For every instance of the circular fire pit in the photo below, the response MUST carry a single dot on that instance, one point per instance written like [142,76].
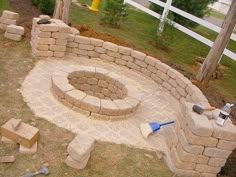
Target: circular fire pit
[95,90]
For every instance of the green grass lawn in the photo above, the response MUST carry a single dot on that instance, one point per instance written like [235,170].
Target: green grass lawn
[139,30]
[3,5]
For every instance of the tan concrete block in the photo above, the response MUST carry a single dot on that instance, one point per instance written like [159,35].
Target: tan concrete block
[193,149]
[7,140]
[217,162]
[162,75]
[102,83]
[93,54]
[198,124]
[207,169]
[14,37]
[85,87]
[92,81]
[215,152]
[58,48]
[208,175]
[82,40]
[49,27]
[91,104]
[152,68]
[180,164]
[166,85]
[162,67]
[99,116]
[151,61]
[46,17]
[175,93]
[75,97]
[112,88]
[80,52]
[45,41]
[127,58]
[121,62]
[226,145]
[189,173]
[96,42]
[182,81]
[42,34]
[156,79]
[100,50]
[61,42]
[75,164]
[140,63]
[172,73]
[71,38]
[106,92]
[10,15]
[7,159]
[107,57]
[138,55]
[14,29]
[192,89]
[3,26]
[124,50]
[61,88]
[81,147]
[181,91]
[58,54]
[172,82]
[123,106]
[198,140]
[41,47]
[226,132]
[58,35]
[146,72]
[108,107]
[133,102]
[26,150]
[38,53]
[110,46]
[113,54]
[133,66]
[7,21]
[86,47]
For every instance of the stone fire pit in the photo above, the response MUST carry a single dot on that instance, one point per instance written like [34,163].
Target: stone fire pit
[95,90]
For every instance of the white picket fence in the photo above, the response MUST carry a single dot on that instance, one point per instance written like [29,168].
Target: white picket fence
[167,6]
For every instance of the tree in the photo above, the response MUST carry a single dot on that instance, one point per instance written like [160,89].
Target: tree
[61,10]
[210,63]
[194,7]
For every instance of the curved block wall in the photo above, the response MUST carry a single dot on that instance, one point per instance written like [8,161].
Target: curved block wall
[196,145]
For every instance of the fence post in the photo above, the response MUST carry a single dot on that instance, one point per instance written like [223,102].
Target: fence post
[164,16]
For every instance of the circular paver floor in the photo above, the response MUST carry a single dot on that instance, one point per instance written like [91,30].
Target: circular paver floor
[156,105]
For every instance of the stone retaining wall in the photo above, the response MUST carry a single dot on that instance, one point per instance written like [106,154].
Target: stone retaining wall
[197,146]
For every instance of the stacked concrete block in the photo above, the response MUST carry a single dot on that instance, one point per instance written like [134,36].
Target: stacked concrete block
[96,92]
[8,18]
[49,40]
[198,146]
[79,151]
[14,32]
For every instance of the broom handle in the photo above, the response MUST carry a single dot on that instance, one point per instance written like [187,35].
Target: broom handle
[166,123]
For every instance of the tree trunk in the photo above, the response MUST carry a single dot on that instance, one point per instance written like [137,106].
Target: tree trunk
[61,10]
[209,66]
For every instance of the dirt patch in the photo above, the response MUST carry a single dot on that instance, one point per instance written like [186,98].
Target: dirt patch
[26,11]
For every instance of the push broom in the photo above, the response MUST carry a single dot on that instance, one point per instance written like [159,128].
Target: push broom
[149,128]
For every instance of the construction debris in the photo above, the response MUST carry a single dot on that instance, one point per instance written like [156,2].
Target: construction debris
[25,134]
[7,159]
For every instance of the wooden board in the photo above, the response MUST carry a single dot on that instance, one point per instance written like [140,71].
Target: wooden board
[25,134]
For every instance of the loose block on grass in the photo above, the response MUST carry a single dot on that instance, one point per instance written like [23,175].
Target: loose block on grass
[25,135]
[7,159]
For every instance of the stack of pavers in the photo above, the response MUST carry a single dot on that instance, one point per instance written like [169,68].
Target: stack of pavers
[79,151]
[49,40]
[8,18]
[27,136]
[14,32]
